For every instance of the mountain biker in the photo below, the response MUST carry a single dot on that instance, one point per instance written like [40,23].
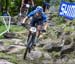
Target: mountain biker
[39,18]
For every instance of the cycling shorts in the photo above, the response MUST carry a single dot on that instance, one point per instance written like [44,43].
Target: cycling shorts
[35,23]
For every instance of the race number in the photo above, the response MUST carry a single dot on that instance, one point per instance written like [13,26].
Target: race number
[33,29]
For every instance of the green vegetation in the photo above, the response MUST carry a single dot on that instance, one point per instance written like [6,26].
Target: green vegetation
[13,6]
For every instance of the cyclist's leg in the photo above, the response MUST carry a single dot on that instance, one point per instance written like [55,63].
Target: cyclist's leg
[38,30]
[39,27]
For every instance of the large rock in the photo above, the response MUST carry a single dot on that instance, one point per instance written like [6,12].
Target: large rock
[34,55]
[2,47]
[67,48]
[47,56]
[53,46]
[13,41]
[5,62]
[47,62]
[48,46]
[71,61]
[43,42]
[14,49]
[62,60]
[9,35]
[17,41]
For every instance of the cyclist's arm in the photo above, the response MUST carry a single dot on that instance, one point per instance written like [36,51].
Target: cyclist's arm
[45,21]
[45,25]
[28,16]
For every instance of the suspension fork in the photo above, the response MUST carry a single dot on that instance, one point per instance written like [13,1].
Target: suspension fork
[28,35]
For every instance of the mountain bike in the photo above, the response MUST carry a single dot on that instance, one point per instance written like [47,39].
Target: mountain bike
[30,41]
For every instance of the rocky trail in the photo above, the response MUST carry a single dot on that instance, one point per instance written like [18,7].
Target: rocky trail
[57,46]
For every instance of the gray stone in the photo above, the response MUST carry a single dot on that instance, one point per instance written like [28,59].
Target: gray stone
[2,47]
[53,46]
[71,61]
[1,43]
[47,62]
[43,42]
[17,41]
[5,62]
[47,56]
[9,35]
[59,61]
[48,46]
[34,55]
[13,41]
[14,49]
[67,48]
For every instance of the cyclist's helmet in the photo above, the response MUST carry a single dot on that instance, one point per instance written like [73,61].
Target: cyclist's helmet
[39,9]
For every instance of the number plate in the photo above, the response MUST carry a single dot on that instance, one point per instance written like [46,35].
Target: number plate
[33,29]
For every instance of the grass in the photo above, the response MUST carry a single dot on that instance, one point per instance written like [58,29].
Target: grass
[12,57]
[51,33]
[13,28]
[16,28]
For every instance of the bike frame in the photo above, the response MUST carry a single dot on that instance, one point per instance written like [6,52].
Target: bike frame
[30,40]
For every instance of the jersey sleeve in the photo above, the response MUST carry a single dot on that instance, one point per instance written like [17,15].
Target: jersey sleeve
[44,17]
[31,13]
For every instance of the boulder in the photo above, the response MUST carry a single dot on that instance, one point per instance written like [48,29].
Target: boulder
[14,49]
[34,55]
[53,46]
[2,47]
[9,35]
[47,56]
[2,61]
[66,49]
[71,61]
[43,42]
[47,62]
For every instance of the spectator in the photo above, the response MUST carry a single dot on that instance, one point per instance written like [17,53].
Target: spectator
[23,5]
[46,5]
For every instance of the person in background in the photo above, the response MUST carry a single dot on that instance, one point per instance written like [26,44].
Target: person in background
[24,3]
[46,5]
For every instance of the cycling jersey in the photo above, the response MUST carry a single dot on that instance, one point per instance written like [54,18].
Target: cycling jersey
[44,16]
[37,20]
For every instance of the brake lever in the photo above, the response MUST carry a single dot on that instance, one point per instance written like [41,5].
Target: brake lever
[22,24]
[25,25]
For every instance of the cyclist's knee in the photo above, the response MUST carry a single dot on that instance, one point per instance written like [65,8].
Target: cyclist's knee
[39,27]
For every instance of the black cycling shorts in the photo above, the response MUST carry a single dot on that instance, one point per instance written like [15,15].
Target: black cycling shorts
[35,23]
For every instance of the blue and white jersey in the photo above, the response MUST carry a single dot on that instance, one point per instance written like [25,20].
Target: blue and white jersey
[44,16]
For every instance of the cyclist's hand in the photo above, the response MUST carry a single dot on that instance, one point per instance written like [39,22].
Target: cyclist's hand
[24,20]
[23,24]
[43,30]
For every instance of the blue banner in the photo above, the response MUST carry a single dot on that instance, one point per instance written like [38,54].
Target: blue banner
[67,10]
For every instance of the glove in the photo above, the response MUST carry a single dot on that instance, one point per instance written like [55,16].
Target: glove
[43,30]
[23,24]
